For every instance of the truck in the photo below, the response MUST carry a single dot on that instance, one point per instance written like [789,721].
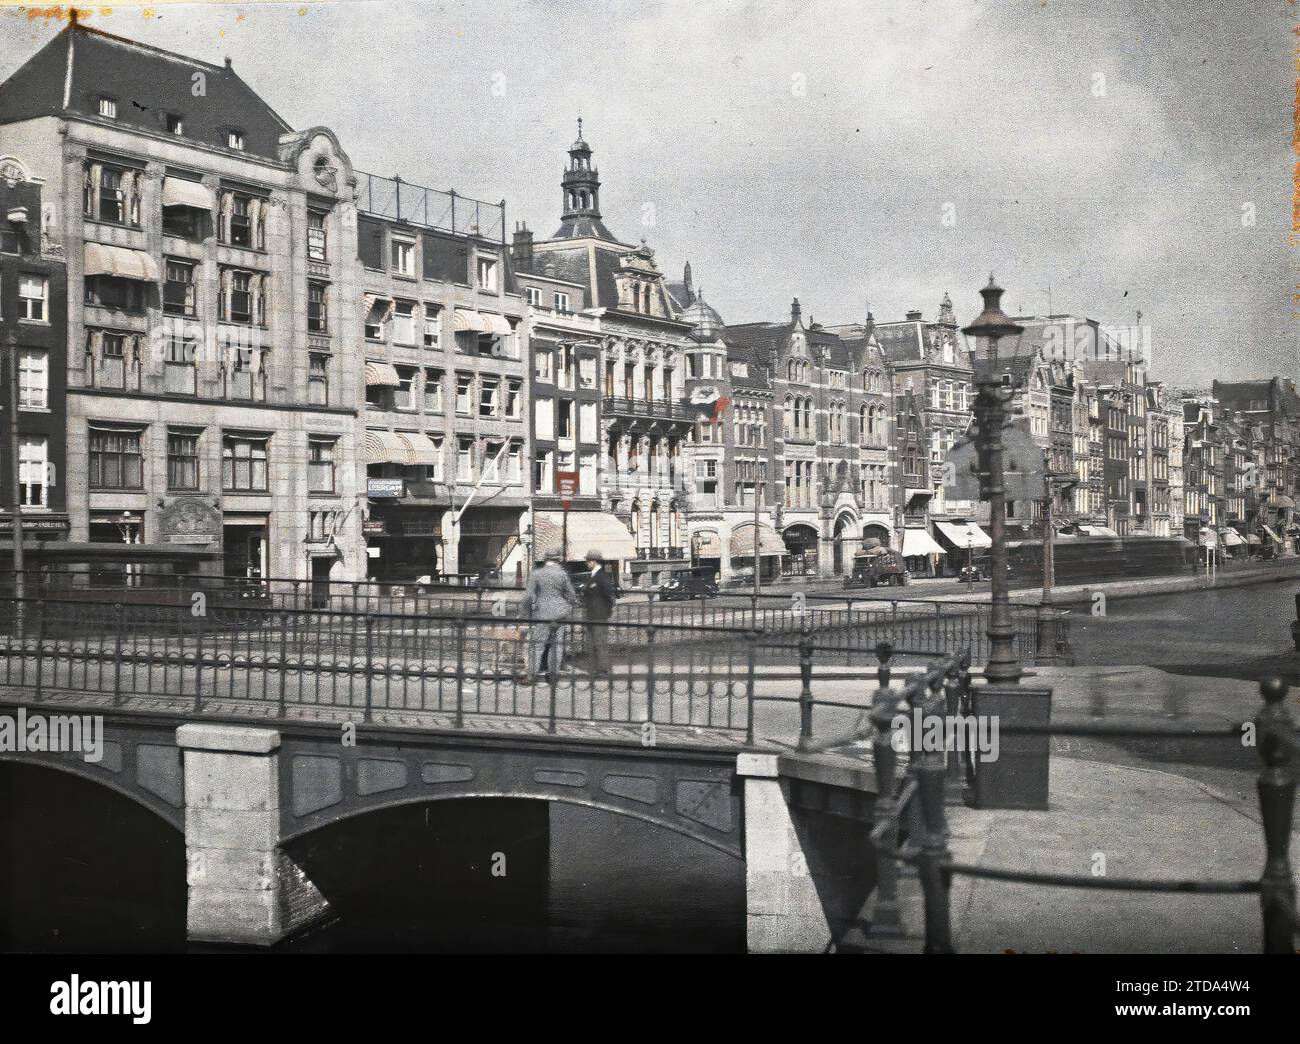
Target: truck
[874,565]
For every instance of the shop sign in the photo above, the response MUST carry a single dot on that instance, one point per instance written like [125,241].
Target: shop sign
[384,488]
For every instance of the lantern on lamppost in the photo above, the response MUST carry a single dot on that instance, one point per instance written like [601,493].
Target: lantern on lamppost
[995,387]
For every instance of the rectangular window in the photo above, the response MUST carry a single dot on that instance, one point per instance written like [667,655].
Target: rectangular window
[317,314]
[534,297]
[489,397]
[566,419]
[587,422]
[182,460]
[316,236]
[33,471]
[241,221]
[587,371]
[108,292]
[320,465]
[375,319]
[544,418]
[464,459]
[433,472]
[318,380]
[542,365]
[493,450]
[403,257]
[433,391]
[178,289]
[108,108]
[514,397]
[244,463]
[33,294]
[487,273]
[404,322]
[543,472]
[587,474]
[235,139]
[464,385]
[240,300]
[33,379]
[115,459]
[561,302]
[430,326]
[403,394]
[174,123]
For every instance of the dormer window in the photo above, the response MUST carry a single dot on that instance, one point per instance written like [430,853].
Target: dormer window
[235,139]
[174,123]
[487,273]
[108,108]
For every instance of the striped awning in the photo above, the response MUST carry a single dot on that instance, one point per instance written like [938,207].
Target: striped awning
[1231,537]
[769,542]
[103,259]
[1272,535]
[420,448]
[465,321]
[964,534]
[177,192]
[587,530]
[919,542]
[496,324]
[382,375]
[387,447]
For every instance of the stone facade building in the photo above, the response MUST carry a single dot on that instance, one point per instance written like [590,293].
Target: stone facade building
[193,220]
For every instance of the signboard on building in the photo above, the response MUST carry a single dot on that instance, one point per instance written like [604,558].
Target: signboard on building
[372,527]
[567,483]
[378,488]
[189,520]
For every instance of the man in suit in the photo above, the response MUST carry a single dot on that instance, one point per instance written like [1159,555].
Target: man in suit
[598,598]
[550,599]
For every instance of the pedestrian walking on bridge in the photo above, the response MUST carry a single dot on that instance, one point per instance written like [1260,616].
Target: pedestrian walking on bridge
[598,599]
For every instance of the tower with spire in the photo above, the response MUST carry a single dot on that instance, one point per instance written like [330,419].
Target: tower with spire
[580,214]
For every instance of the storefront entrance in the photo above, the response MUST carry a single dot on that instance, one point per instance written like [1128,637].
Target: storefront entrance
[244,550]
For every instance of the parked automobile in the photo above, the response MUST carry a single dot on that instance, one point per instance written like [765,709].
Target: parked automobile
[971,574]
[697,582]
[877,565]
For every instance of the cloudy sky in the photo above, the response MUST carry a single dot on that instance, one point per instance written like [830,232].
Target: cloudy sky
[1128,155]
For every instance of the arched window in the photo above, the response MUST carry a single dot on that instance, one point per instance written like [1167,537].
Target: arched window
[789,415]
[646,298]
[674,525]
[636,522]
[865,418]
[654,524]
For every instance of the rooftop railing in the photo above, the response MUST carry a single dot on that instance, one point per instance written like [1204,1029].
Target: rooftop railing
[448,211]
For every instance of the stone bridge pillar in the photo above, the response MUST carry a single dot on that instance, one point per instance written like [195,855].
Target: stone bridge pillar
[242,887]
[809,867]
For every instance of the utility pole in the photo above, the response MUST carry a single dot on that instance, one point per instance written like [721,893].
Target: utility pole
[15,493]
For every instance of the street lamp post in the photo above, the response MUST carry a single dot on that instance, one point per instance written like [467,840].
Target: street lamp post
[994,391]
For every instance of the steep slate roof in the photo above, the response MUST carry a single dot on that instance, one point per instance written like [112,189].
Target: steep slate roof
[761,340]
[902,342]
[147,83]
[583,227]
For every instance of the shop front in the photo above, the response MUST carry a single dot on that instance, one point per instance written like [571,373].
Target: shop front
[403,541]
[597,531]
[801,545]
[921,553]
[771,551]
[963,542]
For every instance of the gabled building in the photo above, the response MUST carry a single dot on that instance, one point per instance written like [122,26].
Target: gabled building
[648,478]
[204,410]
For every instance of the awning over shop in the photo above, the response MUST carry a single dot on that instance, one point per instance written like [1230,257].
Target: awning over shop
[1231,538]
[964,534]
[465,321]
[596,531]
[177,192]
[420,448]
[122,262]
[1272,535]
[382,374]
[1252,539]
[1209,538]
[707,544]
[496,324]
[769,542]
[1283,501]
[918,493]
[919,542]
[387,447]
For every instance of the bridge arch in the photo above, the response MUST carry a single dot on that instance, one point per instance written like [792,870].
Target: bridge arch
[171,813]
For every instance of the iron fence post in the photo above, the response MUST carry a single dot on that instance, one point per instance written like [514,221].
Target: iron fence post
[117,653]
[751,652]
[886,918]
[198,659]
[40,636]
[805,685]
[933,848]
[284,653]
[955,757]
[370,662]
[460,677]
[650,671]
[1276,788]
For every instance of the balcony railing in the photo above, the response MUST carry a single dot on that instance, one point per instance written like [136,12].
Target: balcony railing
[660,554]
[657,409]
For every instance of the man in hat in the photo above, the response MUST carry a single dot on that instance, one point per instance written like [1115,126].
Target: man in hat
[550,599]
[598,598]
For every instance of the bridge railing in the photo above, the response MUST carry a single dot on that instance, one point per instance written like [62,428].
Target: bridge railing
[910,818]
[849,624]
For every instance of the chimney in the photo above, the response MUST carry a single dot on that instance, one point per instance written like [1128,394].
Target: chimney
[228,65]
[914,316]
[794,311]
[869,327]
[521,247]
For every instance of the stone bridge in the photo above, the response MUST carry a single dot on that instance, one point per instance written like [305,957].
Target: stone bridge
[240,791]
